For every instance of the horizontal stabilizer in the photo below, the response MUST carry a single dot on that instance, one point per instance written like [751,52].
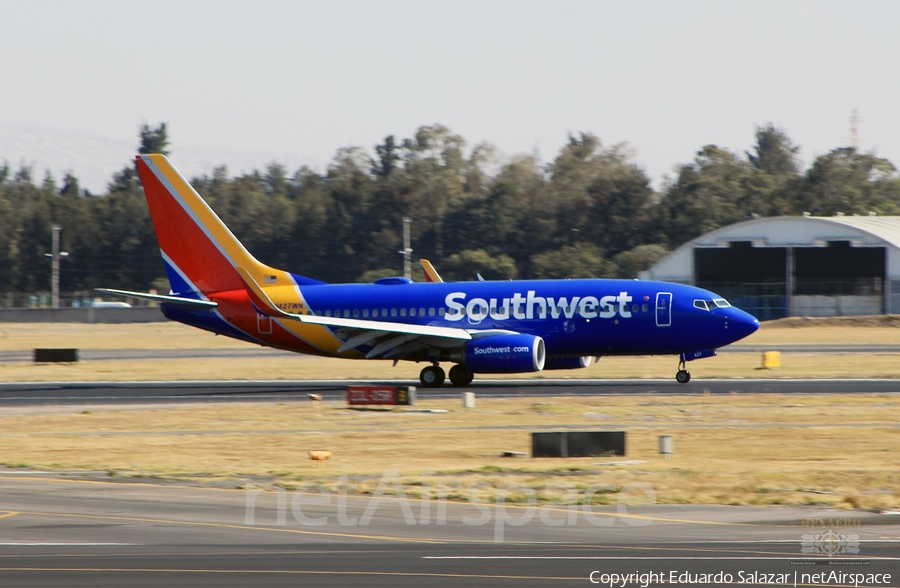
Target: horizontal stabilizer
[173,300]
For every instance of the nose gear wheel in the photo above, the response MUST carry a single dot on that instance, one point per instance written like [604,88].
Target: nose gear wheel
[683,376]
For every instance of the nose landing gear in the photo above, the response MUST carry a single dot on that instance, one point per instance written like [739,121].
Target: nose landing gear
[683,376]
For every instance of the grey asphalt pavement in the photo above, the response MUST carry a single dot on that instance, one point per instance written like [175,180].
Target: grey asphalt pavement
[56,532]
[224,391]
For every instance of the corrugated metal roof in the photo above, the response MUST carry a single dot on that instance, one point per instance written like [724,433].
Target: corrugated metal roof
[785,231]
[883,227]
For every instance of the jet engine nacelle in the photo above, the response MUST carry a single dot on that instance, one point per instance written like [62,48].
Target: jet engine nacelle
[505,354]
[568,362]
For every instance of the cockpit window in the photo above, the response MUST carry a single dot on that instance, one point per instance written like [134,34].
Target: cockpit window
[701,304]
[721,303]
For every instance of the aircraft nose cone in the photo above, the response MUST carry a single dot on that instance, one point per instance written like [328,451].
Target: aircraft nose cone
[743,324]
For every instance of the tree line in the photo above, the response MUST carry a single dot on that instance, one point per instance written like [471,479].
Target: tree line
[591,212]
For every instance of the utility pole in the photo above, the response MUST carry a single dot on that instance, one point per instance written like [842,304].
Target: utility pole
[407,250]
[54,265]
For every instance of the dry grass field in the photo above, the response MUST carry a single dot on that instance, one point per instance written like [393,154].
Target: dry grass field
[171,335]
[730,365]
[258,364]
[166,335]
[738,449]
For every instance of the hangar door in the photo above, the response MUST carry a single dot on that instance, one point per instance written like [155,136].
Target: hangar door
[774,282]
[838,280]
[752,278]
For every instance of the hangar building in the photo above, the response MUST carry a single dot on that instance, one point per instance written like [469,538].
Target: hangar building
[795,265]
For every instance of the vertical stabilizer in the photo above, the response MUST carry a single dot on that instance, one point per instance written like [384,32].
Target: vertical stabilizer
[200,252]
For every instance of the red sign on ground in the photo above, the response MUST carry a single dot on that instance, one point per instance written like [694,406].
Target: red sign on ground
[380,395]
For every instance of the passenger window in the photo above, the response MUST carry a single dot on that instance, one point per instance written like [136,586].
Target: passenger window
[701,304]
[442,311]
[402,312]
[327,313]
[346,314]
[644,308]
[412,312]
[355,313]
[393,312]
[634,308]
[421,312]
[430,312]
[365,313]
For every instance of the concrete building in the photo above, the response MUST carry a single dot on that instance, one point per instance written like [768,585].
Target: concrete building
[795,266]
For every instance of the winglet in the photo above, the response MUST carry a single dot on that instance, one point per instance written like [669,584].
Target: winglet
[431,274]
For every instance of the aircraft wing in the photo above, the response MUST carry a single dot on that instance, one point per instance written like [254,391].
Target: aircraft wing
[389,340]
[173,300]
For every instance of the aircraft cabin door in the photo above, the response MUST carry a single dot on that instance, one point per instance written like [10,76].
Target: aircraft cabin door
[663,309]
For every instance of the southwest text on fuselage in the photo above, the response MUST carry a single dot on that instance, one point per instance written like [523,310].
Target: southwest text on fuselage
[530,306]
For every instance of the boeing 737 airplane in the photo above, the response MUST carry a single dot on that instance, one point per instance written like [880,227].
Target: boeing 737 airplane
[483,327]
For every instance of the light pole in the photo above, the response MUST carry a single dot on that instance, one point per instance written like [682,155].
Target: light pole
[407,250]
[54,265]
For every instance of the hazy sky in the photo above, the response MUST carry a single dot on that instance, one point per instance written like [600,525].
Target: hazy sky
[243,83]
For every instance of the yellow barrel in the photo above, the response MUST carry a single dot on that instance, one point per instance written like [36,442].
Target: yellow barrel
[771,360]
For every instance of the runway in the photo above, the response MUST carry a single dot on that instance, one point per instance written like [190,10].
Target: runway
[278,390]
[88,533]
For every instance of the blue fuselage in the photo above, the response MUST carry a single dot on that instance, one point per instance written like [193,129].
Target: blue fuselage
[574,317]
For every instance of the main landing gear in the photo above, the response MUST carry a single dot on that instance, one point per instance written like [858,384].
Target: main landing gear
[683,376]
[460,376]
[433,376]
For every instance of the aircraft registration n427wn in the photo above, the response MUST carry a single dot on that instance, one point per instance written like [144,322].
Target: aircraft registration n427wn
[480,327]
